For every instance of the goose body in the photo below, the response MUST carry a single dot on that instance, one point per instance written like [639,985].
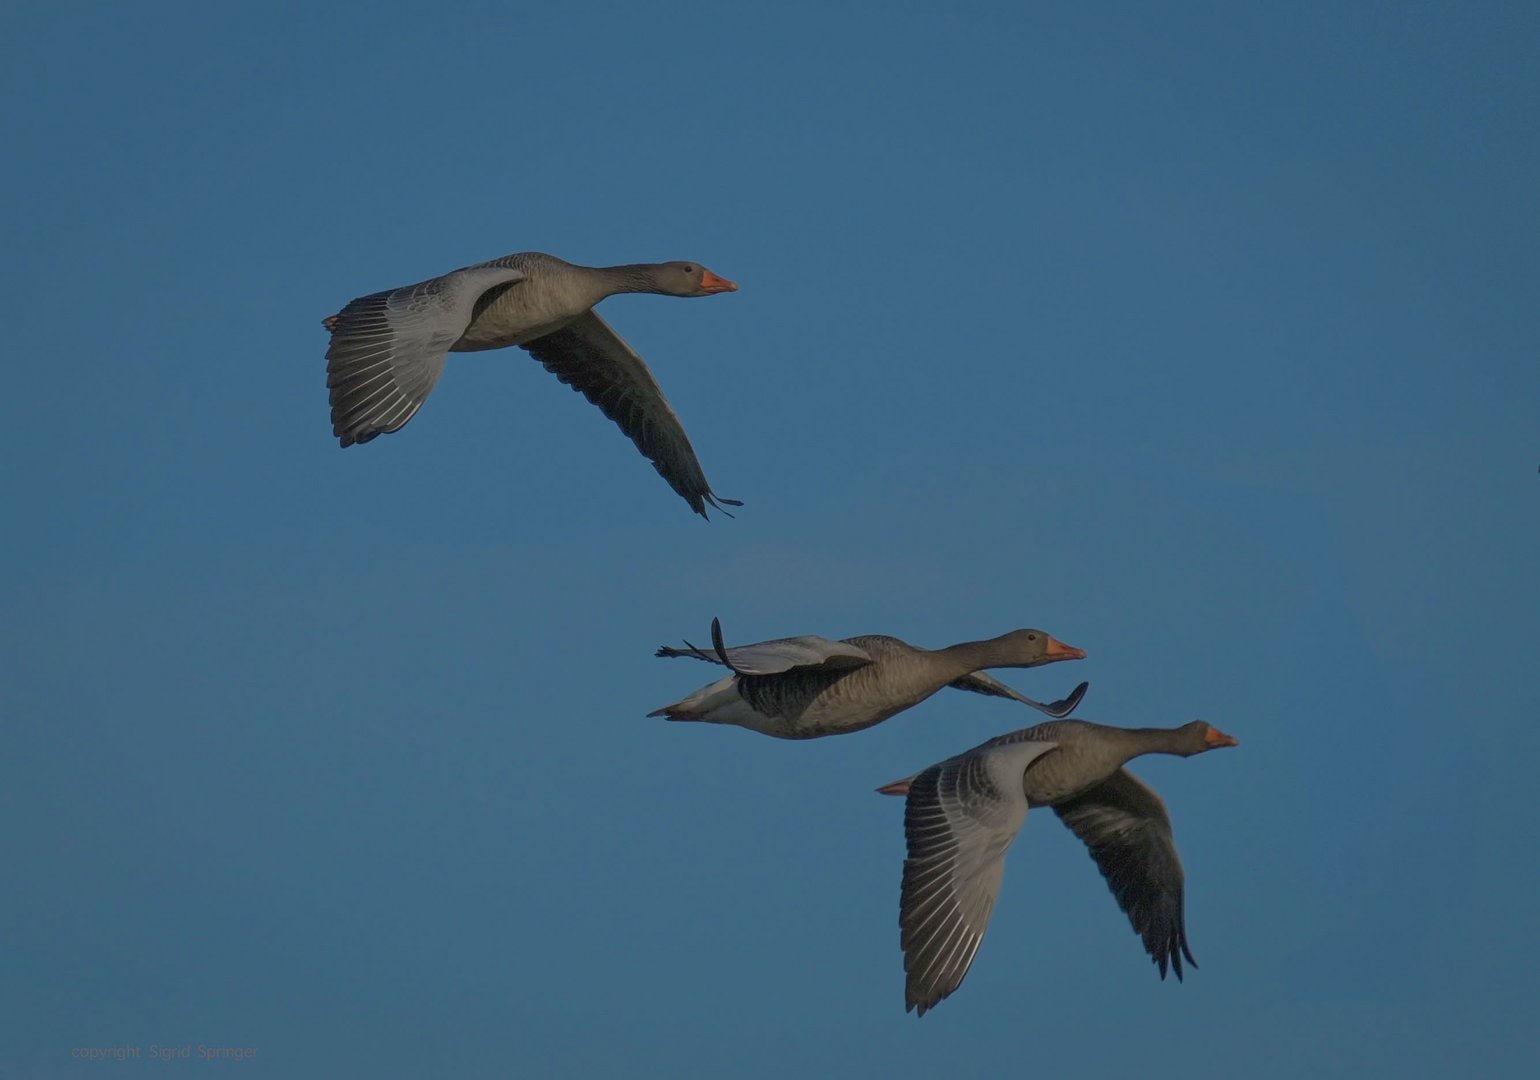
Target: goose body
[963,813]
[389,348]
[807,687]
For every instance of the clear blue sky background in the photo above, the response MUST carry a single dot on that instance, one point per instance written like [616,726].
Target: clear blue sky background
[1203,338]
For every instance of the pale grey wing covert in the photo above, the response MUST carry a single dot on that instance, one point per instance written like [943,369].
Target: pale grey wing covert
[590,357]
[981,683]
[775,656]
[388,348]
[1126,826]
[960,818]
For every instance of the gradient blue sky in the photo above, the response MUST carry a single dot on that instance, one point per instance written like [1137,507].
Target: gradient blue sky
[1204,338]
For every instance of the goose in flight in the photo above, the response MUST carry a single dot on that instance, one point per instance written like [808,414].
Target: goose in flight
[806,687]
[962,814]
[388,349]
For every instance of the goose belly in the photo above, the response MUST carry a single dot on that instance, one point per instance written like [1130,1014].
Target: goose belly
[722,703]
[528,310]
[492,331]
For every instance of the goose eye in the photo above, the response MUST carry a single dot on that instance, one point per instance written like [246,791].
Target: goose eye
[689,269]
[1031,637]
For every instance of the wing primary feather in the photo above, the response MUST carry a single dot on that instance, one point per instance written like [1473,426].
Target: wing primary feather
[721,647]
[587,355]
[1066,705]
[691,650]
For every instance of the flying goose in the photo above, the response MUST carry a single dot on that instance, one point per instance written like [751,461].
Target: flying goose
[388,348]
[809,686]
[963,813]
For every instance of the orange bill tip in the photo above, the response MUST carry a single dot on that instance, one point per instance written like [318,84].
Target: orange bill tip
[1057,650]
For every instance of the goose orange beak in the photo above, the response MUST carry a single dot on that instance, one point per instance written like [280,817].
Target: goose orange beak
[1215,738]
[715,283]
[1057,650]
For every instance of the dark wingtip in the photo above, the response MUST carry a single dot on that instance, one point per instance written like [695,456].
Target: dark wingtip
[720,646]
[1065,706]
[348,438]
[718,504]
[690,649]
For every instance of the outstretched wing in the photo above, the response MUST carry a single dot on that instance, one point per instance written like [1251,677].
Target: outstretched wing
[778,655]
[590,357]
[387,349]
[982,683]
[1126,826]
[960,818]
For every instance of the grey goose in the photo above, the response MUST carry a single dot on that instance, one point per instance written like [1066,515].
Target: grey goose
[807,687]
[388,348]
[962,814]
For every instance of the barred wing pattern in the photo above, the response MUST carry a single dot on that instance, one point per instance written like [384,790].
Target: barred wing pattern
[388,348]
[960,818]
[590,357]
[1126,826]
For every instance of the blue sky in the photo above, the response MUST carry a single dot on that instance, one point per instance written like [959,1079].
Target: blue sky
[1203,338]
